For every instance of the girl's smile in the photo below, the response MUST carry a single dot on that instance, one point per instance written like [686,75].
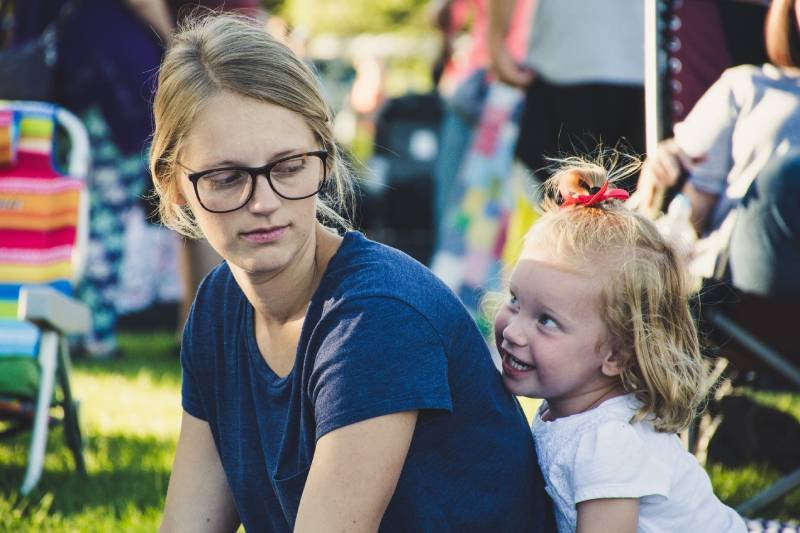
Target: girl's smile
[551,336]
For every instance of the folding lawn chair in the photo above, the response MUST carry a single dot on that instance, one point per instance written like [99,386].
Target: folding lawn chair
[43,236]
[756,335]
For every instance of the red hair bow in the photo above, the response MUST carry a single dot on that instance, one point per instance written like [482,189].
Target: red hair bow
[601,194]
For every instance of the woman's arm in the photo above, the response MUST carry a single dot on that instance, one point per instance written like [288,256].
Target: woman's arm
[198,496]
[354,474]
[608,515]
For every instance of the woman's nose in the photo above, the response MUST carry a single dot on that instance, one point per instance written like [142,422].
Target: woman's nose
[264,199]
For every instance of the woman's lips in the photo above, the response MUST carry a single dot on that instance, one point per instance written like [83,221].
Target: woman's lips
[264,235]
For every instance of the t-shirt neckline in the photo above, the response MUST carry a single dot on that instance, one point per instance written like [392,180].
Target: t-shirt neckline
[265,371]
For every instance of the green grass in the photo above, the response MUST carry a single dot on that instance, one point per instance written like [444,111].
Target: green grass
[130,411]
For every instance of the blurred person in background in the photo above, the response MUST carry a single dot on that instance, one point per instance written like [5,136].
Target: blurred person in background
[739,147]
[106,58]
[108,52]
[462,76]
[583,76]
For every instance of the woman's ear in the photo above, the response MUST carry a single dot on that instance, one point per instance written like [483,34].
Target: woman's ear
[177,193]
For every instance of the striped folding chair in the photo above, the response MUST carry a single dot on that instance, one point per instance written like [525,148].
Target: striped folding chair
[43,236]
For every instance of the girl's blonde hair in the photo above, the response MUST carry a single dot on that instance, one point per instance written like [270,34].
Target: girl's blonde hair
[216,53]
[644,295]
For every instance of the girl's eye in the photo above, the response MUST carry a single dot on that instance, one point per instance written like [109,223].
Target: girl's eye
[512,300]
[547,322]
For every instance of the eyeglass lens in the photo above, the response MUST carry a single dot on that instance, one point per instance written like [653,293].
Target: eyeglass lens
[294,178]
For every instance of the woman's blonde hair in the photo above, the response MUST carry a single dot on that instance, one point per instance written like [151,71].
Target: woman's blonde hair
[644,295]
[216,53]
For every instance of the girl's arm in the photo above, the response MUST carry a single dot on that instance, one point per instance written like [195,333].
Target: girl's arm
[608,515]
[354,474]
[198,496]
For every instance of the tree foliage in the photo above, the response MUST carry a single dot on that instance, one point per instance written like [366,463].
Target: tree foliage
[349,17]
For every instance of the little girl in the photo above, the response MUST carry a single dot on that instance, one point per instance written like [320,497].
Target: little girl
[597,323]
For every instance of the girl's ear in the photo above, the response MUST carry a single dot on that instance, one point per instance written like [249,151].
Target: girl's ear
[613,362]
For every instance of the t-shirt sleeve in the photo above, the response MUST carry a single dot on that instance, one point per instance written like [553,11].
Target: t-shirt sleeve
[614,461]
[707,134]
[376,356]
[190,390]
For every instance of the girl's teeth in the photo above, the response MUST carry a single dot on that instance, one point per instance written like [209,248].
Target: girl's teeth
[516,364]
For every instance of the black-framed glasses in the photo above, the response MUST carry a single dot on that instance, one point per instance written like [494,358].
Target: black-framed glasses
[294,177]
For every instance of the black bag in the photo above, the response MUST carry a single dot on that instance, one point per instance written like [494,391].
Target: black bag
[27,71]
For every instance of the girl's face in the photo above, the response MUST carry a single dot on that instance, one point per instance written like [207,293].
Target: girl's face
[551,336]
[264,235]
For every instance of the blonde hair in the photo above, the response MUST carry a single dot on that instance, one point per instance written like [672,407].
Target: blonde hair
[218,53]
[644,296]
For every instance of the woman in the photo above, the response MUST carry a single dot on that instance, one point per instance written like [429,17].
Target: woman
[739,147]
[329,383]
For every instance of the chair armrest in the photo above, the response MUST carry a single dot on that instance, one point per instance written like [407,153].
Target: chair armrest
[51,309]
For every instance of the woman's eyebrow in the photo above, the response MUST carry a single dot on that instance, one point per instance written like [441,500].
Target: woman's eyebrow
[235,163]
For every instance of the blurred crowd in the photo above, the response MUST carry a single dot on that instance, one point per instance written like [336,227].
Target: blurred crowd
[512,85]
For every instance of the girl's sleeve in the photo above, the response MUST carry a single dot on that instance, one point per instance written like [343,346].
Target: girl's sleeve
[614,461]
[376,356]
[707,135]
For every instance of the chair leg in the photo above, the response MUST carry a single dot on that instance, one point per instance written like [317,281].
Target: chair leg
[753,345]
[72,428]
[770,494]
[48,357]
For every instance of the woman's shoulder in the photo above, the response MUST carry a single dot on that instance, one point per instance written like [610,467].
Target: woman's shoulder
[218,279]
[363,268]
[217,292]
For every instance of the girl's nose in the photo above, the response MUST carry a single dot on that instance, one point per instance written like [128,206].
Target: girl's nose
[513,335]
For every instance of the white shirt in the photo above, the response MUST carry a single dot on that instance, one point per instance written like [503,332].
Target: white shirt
[749,117]
[600,454]
[588,41]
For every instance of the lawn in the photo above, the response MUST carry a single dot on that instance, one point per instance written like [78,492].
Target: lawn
[130,411]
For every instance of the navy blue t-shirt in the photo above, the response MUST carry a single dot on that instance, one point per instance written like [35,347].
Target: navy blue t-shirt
[381,335]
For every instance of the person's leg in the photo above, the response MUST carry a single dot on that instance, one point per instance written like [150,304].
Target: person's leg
[455,136]
[538,128]
[615,117]
[564,120]
[115,182]
[764,255]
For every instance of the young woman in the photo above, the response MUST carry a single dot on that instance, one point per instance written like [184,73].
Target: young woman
[329,383]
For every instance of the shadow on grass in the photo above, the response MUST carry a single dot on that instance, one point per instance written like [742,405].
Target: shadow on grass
[154,355]
[124,471]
